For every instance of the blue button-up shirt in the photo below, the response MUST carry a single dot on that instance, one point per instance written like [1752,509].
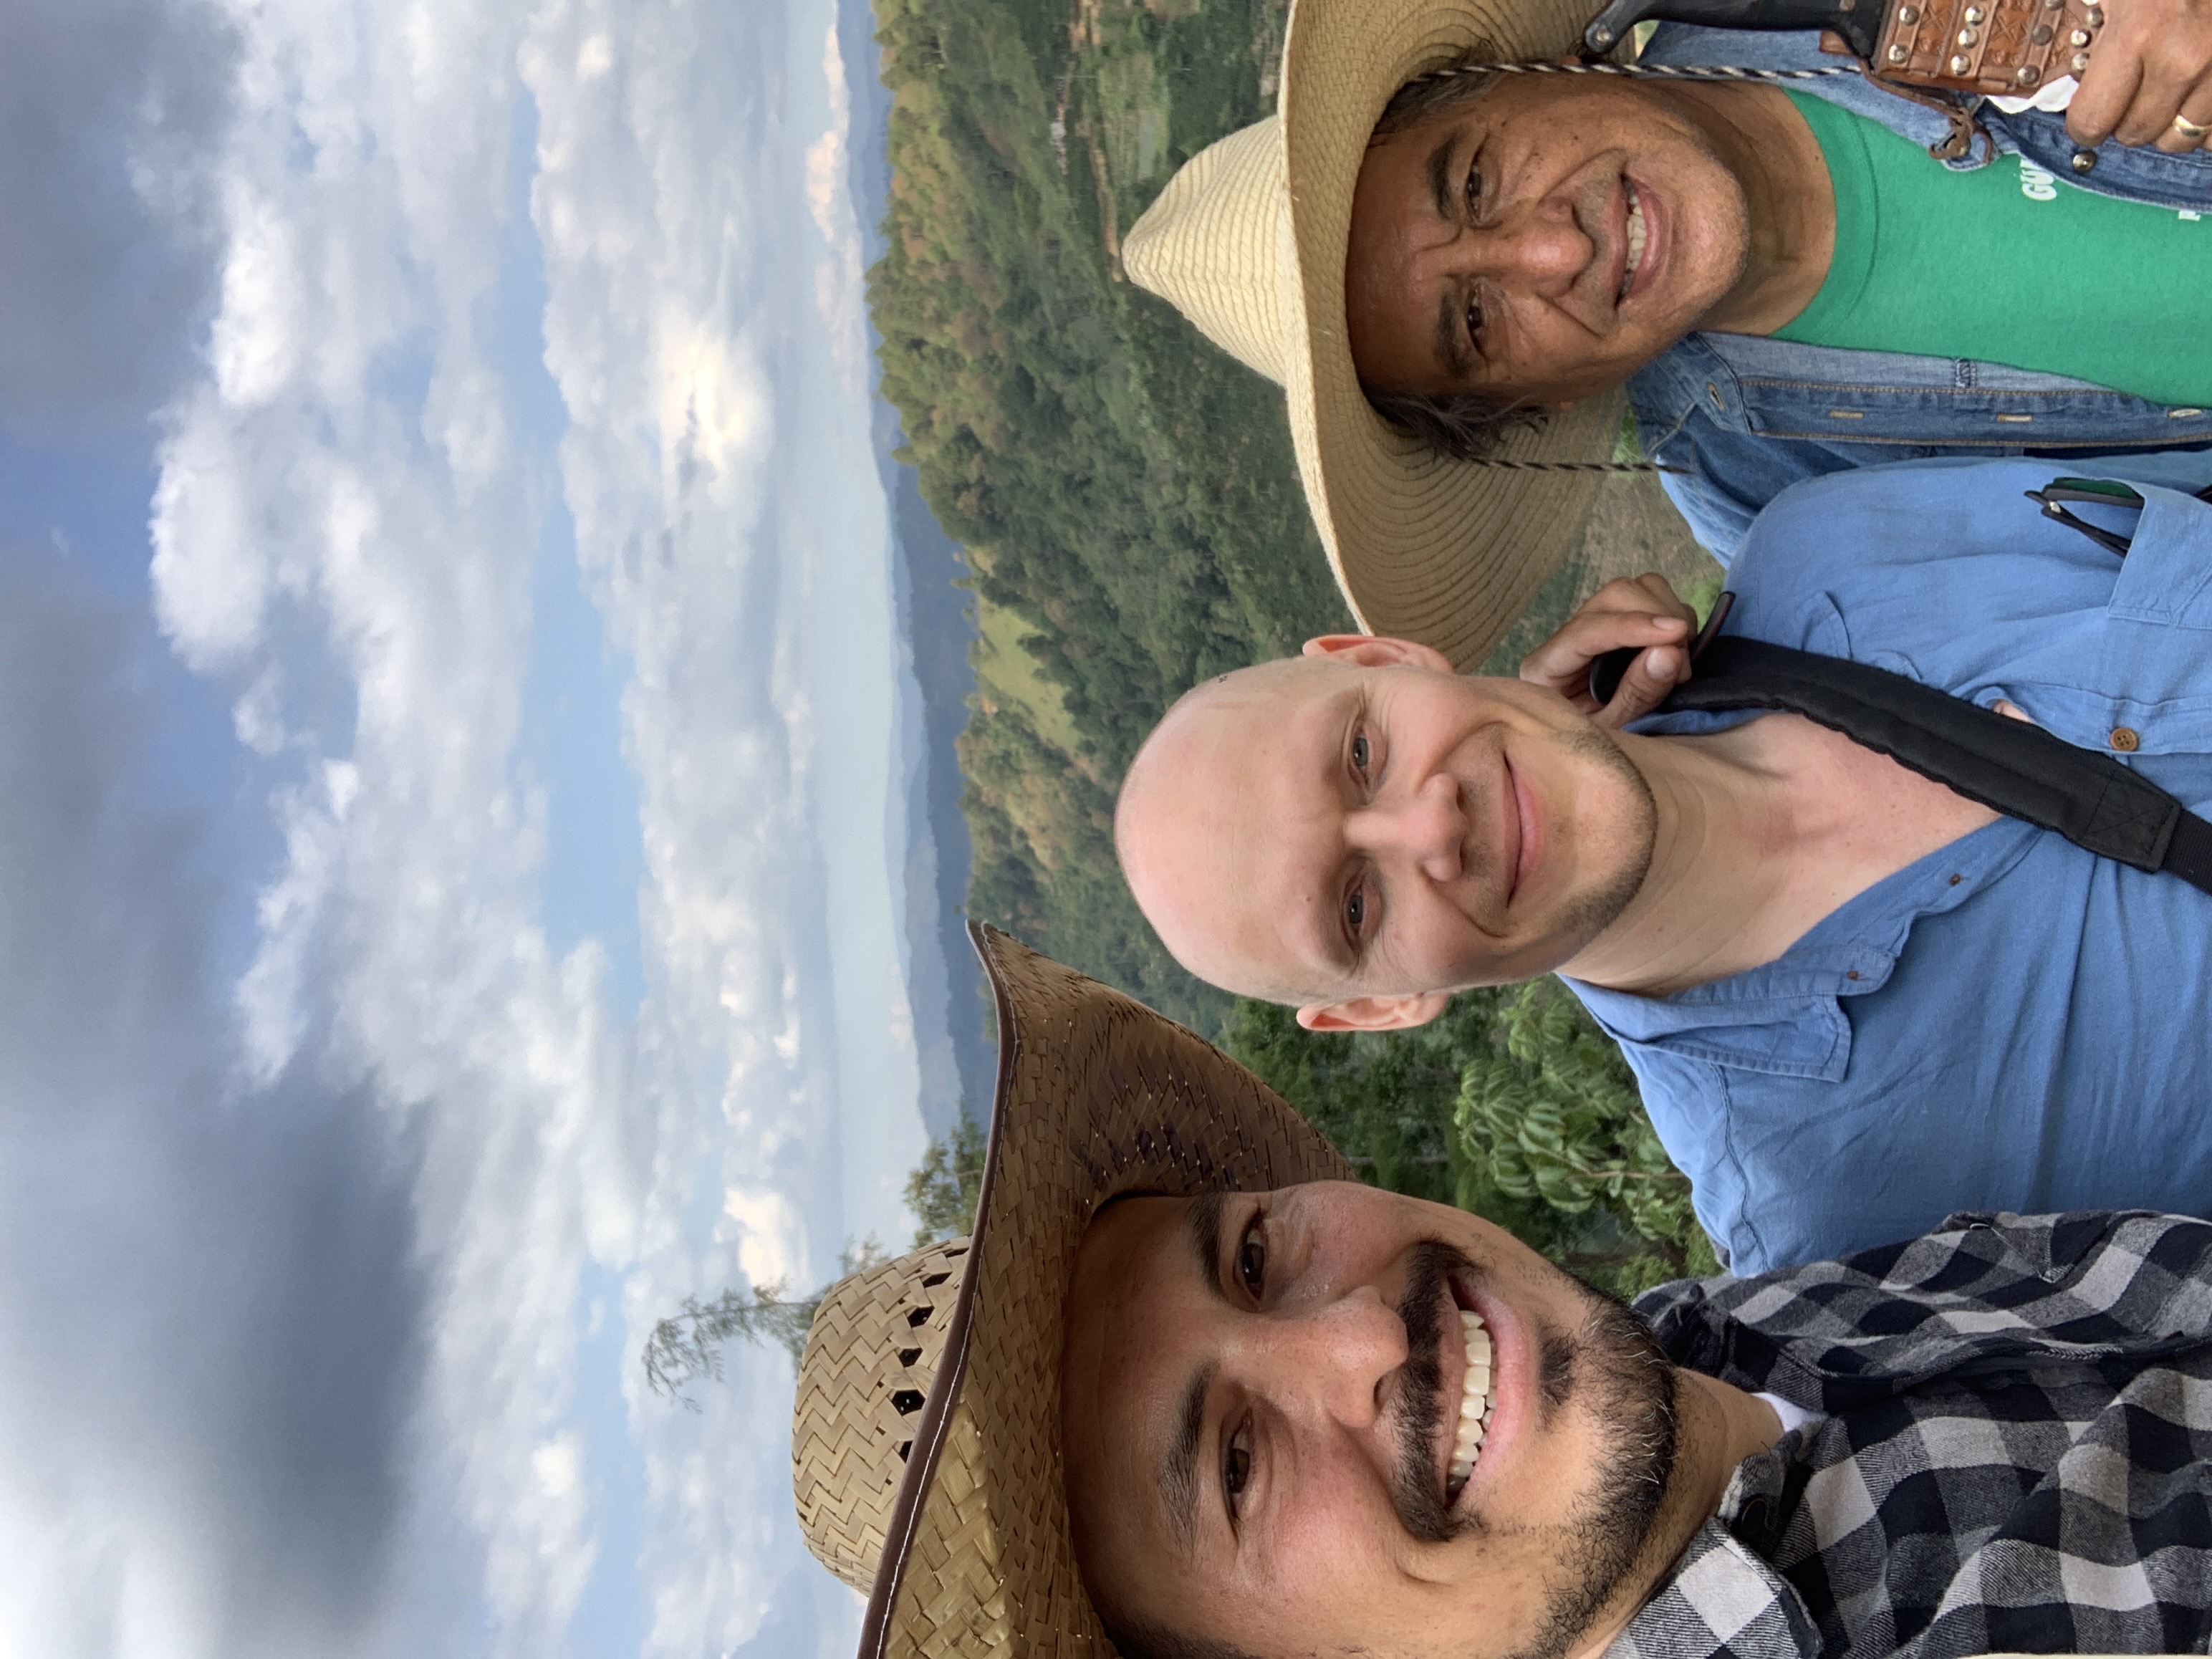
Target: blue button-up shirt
[2011,1023]
[1744,416]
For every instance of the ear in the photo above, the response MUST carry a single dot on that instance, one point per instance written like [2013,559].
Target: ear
[1379,651]
[1374,1013]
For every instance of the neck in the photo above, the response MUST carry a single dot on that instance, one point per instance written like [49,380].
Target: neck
[1789,200]
[1760,832]
[1727,839]
[1718,1426]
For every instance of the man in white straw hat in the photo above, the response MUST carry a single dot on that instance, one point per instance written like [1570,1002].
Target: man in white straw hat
[1860,984]
[1453,277]
[1187,1393]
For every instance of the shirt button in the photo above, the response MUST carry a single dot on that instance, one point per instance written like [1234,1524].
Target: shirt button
[2126,740]
[2085,161]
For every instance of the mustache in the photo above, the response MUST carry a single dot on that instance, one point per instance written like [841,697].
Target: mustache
[1416,1492]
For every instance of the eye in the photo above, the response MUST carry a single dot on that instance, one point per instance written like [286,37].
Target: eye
[1236,1469]
[1473,320]
[1473,193]
[1360,752]
[1355,911]
[1252,1261]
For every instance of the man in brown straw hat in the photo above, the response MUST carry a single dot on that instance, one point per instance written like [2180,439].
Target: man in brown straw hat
[1794,284]
[1187,1391]
[1857,991]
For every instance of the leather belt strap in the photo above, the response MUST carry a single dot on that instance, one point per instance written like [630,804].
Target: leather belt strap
[2008,765]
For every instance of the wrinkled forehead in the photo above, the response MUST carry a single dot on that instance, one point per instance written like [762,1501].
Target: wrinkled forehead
[1501,97]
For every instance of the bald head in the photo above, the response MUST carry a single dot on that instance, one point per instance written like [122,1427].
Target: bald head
[1180,824]
[1359,831]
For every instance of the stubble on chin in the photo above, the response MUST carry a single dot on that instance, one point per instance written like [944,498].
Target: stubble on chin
[1590,913]
[1615,1371]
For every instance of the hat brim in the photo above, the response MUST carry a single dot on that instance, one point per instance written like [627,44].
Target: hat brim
[1097,1096]
[1446,552]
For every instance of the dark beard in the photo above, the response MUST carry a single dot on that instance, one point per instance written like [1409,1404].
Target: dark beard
[1420,1393]
[1614,1368]
[1617,1370]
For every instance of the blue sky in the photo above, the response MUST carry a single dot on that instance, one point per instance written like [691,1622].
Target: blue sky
[451,903]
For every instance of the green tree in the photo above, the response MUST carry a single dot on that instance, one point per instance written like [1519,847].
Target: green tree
[1556,1119]
[687,1346]
[943,1189]
[1512,1104]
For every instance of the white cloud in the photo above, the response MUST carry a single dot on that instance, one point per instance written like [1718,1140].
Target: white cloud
[256,345]
[772,1247]
[838,285]
[346,498]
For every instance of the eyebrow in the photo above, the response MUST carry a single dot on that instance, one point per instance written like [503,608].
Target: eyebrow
[1179,1467]
[1327,944]
[1202,1228]
[1451,350]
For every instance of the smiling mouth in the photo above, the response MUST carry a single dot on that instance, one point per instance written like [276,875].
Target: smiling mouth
[1522,810]
[1476,1401]
[1638,234]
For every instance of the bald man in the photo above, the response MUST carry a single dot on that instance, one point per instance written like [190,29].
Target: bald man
[1855,1000]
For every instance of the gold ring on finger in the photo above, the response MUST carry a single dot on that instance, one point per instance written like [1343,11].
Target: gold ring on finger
[2189,130]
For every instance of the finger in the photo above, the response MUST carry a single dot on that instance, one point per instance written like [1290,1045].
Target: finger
[2107,89]
[1665,600]
[2196,111]
[1563,662]
[1644,686]
[2157,101]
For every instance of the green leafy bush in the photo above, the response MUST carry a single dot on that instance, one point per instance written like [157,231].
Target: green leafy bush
[1513,1105]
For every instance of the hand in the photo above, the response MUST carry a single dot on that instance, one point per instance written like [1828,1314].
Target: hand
[1640,611]
[2153,61]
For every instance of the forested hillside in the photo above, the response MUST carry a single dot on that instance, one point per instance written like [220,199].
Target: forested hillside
[1132,515]
[1125,494]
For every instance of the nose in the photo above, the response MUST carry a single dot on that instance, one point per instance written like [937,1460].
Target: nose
[1428,826]
[1334,1356]
[1538,246]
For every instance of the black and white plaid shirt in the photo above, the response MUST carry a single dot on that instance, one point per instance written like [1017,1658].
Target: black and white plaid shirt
[2013,1449]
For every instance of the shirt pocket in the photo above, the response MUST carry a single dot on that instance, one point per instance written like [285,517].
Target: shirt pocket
[2165,581]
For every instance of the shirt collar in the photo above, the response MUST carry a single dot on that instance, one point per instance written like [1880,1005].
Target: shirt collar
[1787,1018]
[1722,1598]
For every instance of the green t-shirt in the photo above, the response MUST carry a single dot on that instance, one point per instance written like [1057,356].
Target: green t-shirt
[2006,264]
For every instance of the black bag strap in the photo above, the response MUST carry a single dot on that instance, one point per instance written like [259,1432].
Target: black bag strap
[2007,764]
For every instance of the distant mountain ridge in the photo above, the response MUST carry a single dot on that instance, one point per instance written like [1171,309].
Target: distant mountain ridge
[1125,494]
[928,574]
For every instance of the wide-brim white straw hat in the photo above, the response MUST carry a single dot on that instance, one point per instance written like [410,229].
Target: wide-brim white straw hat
[925,1442]
[1249,241]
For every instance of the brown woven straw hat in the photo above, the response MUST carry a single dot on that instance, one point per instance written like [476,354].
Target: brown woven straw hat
[926,1440]
[1248,240]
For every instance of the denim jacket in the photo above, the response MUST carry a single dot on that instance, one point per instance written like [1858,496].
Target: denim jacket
[1748,416]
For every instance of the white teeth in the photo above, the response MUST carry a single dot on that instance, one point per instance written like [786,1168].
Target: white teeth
[1475,1403]
[1636,238]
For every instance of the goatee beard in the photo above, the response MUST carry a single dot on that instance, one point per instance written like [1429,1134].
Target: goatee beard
[1614,1371]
